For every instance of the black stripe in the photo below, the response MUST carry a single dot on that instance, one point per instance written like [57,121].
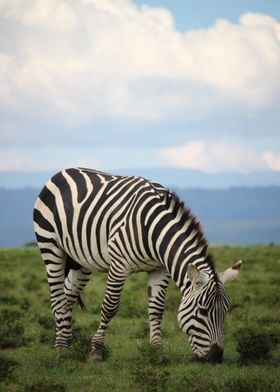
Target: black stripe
[42,221]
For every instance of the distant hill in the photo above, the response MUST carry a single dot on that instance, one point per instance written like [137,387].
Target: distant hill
[232,216]
[180,178]
[237,215]
[16,206]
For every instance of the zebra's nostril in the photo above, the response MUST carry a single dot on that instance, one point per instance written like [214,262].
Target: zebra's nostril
[215,354]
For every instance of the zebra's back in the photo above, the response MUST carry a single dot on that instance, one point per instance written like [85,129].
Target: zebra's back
[84,211]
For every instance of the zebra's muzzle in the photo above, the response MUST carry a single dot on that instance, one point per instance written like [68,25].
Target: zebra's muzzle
[214,355]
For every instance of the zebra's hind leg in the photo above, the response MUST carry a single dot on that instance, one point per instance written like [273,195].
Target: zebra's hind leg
[55,259]
[157,285]
[116,278]
[74,283]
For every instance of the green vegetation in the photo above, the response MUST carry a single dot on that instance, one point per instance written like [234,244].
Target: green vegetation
[28,362]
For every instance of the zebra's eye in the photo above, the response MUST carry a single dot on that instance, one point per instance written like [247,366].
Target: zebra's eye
[203,311]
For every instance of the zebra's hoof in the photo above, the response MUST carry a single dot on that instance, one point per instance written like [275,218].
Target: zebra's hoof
[96,356]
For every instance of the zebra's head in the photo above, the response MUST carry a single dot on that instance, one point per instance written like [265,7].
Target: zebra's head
[202,312]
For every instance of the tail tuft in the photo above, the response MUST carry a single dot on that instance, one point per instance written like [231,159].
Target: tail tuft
[70,267]
[82,304]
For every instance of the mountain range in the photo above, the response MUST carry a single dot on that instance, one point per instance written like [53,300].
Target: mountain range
[238,215]
[172,177]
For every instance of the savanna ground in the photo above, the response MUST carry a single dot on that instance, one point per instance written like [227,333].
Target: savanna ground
[28,362]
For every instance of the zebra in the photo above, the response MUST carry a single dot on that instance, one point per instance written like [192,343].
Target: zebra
[87,220]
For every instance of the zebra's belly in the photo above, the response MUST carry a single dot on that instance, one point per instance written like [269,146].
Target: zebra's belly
[94,262]
[145,266]
[90,259]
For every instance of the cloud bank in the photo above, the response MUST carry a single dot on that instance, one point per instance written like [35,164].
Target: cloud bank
[215,156]
[86,58]
[110,72]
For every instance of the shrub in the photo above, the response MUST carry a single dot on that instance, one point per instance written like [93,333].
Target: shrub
[250,383]
[47,337]
[81,343]
[45,386]
[9,300]
[7,366]
[130,308]
[7,283]
[32,283]
[255,345]
[151,379]
[47,324]
[23,303]
[11,328]
[153,355]
[143,330]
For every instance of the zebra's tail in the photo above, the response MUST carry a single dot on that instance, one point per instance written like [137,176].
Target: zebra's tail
[73,265]
[82,304]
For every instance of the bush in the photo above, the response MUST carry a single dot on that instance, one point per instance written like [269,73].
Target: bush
[151,379]
[45,386]
[23,303]
[11,329]
[143,331]
[47,324]
[251,383]
[80,347]
[32,283]
[130,308]
[255,345]
[7,366]
[153,355]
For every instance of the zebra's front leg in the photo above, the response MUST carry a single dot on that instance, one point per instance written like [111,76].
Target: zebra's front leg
[157,285]
[115,282]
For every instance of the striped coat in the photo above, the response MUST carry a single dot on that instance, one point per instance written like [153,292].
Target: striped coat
[88,221]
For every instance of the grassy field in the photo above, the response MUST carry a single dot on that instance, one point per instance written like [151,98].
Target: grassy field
[252,334]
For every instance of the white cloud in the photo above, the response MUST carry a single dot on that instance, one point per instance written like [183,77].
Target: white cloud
[6,63]
[210,157]
[240,59]
[217,156]
[272,160]
[11,161]
[46,160]
[87,58]
[52,15]
[85,73]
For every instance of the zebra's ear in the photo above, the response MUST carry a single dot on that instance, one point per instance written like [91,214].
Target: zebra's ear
[230,273]
[193,272]
[197,277]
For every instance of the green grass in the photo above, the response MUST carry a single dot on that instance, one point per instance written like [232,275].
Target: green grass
[28,362]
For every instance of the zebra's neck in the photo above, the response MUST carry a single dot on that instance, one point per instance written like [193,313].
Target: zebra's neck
[182,243]
[181,255]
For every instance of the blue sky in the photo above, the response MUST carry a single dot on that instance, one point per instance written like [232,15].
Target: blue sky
[196,14]
[117,84]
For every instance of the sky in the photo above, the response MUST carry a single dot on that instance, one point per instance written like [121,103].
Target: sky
[116,84]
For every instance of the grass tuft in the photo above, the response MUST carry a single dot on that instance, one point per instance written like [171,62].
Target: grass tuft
[45,386]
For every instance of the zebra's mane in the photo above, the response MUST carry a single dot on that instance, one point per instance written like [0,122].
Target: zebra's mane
[178,208]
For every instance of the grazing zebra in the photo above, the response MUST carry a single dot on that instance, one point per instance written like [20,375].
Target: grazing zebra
[86,221]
